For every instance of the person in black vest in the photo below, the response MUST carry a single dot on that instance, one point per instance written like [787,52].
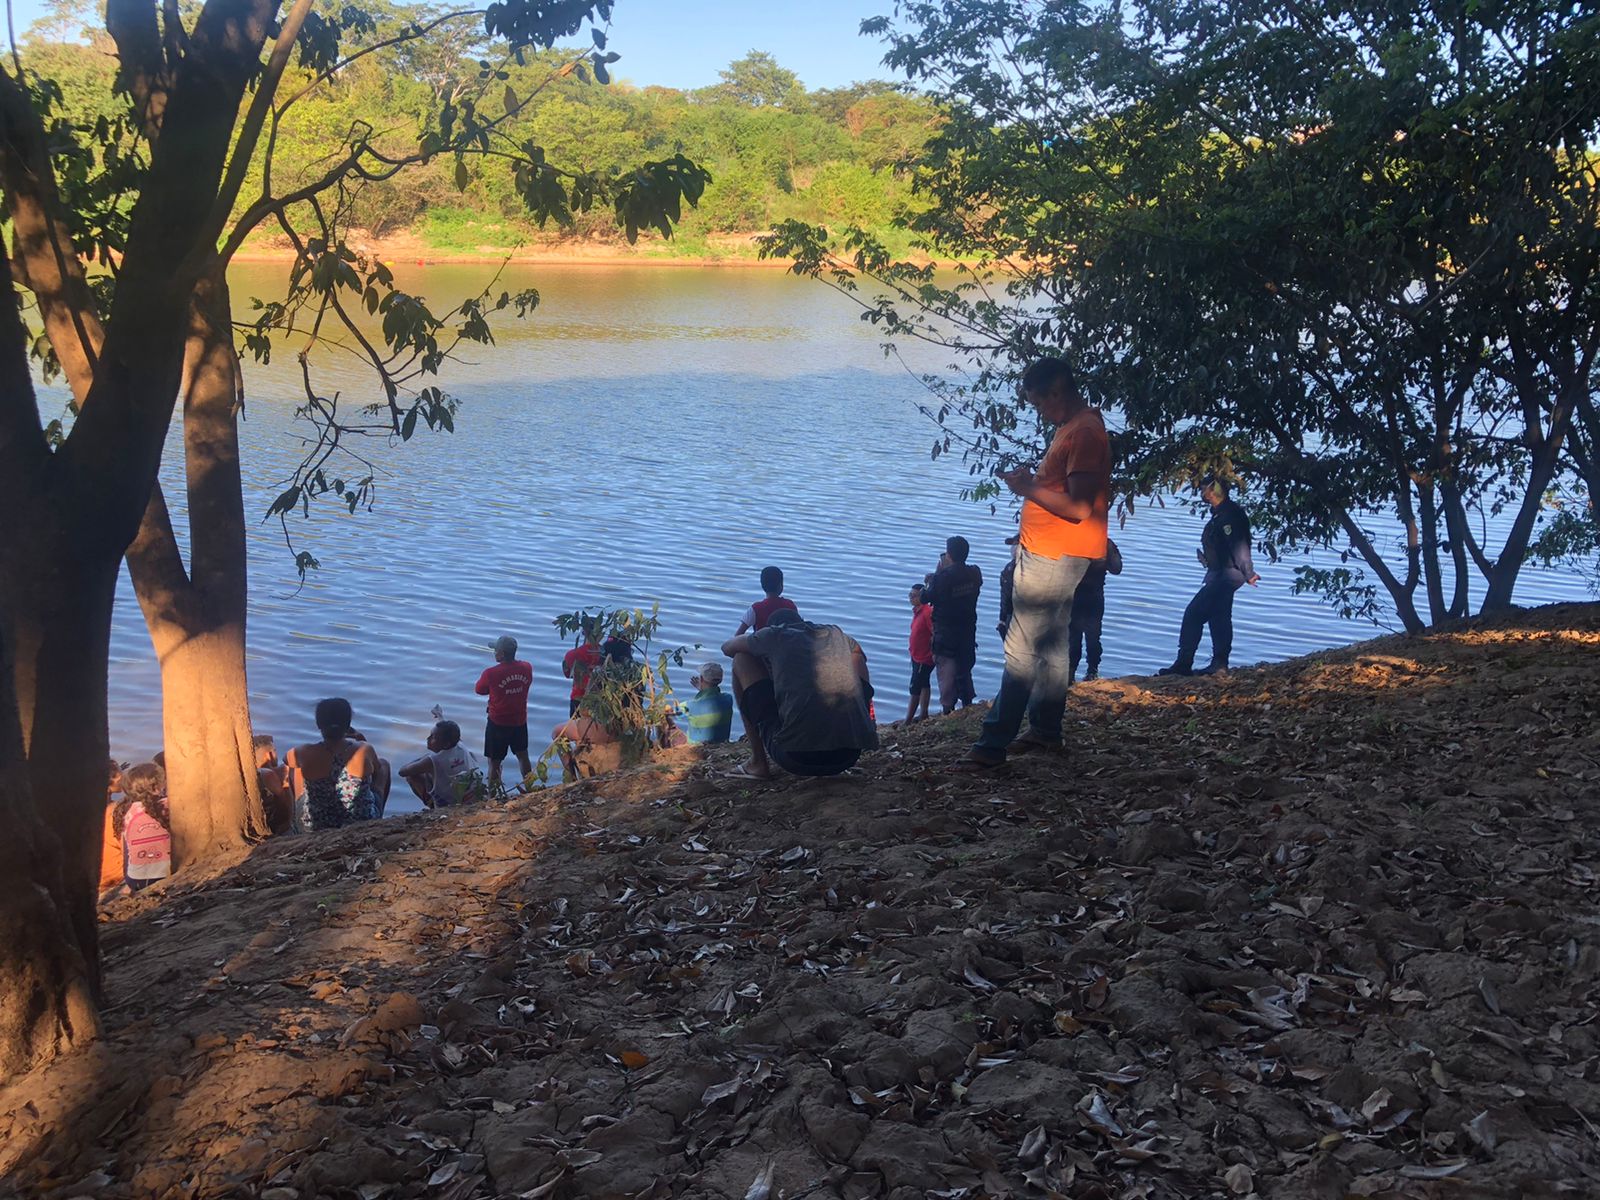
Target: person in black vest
[953,591]
[1225,554]
[1089,612]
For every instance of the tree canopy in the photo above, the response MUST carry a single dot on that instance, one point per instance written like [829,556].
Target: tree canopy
[1345,252]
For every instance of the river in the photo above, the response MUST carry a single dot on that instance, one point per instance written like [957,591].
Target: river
[650,434]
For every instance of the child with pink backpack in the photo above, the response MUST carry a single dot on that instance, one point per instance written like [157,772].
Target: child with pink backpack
[144,824]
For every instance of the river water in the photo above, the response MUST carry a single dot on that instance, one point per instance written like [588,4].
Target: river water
[650,434]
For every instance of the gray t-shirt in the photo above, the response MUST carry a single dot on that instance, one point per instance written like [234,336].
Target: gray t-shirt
[821,701]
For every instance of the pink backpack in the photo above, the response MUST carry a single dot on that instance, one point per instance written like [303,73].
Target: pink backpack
[149,845]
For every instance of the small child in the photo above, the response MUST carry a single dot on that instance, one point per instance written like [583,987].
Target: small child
[759,613]
[507,684]
[1089,611]
[111,865]
[921,654]
[272,785]
[144,825]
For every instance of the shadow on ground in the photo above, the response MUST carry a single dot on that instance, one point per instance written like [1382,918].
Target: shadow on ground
[1321,929]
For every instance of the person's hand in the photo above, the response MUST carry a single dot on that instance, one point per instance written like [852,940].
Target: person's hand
[1200,557]
[1019,480]
[1253,580]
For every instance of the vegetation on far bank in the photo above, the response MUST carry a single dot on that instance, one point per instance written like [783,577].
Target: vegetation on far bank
[775,150]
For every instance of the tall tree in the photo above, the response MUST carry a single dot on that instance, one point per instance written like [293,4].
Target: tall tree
[157,324]
[1346,250]
[758,80]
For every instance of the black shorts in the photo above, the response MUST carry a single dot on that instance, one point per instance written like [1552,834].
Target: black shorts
[572,708]
[499,740]
[761,705]
[921,677]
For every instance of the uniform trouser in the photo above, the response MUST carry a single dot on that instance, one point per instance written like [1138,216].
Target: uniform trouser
[954,672]
[1086,636]
[1037,651]
[1212,605]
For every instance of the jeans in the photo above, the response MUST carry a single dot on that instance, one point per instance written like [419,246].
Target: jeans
[1212,605]
[1037,669]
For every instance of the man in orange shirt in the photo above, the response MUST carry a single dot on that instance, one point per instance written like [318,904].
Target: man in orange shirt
[1064,509]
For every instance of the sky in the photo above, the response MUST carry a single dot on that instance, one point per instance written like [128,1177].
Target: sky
[684,43]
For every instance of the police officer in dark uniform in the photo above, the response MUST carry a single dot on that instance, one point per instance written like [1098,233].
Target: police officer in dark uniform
[1225,554]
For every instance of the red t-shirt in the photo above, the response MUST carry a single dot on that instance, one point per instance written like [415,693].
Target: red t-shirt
[580,663]
[506,685]
[759,613]
[922,634]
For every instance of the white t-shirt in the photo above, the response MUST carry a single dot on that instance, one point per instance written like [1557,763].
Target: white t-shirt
[448,766]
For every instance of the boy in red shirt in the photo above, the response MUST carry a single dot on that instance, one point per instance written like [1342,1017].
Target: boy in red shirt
[506,684]
[759,613]
[921,654]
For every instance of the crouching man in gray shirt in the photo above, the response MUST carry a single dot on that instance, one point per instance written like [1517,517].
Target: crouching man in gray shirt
[803,691]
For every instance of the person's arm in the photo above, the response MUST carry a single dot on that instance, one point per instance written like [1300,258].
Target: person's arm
[417,767]
[740,643]
[482,686]
[859,657]
[1076,503]
[566,662]
[1241,558]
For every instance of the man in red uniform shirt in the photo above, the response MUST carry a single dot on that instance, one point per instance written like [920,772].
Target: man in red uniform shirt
[506,684]
[581,662]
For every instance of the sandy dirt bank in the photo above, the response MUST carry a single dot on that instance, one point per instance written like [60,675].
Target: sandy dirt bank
[1321,929]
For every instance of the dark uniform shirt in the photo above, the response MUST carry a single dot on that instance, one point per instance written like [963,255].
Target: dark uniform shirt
[953,592]
[1225,543]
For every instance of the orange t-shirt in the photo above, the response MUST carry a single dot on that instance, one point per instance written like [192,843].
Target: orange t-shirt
[1079,447]
[111,871]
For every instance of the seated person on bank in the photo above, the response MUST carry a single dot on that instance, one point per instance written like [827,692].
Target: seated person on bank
[591,748]
[272,785]
[338,779]
[804,693]
[710,714]
[444,775]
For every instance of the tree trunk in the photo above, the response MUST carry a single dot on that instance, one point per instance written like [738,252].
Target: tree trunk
[46,983]
[59,592]
[196,617]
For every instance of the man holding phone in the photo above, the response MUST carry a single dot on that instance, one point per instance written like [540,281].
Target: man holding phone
[1063,530]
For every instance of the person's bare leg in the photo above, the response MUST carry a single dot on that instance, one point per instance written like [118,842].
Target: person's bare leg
[525,764]
[494,775]
[422,786]
[382,781]
[749,670]
[911,709]
[927,696]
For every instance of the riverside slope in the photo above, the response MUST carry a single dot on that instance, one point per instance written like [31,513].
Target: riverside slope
[1319,929]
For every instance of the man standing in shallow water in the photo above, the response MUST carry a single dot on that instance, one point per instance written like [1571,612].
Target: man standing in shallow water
[1063,530]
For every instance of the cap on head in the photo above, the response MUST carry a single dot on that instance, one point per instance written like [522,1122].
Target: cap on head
[505,646]
[710,674]
[1211,481]
[785,617]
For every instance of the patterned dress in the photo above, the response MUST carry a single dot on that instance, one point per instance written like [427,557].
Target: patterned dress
[338,799]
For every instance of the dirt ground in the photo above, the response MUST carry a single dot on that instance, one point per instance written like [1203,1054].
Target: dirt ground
[1317,930]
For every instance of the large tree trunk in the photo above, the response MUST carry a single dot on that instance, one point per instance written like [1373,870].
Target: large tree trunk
[46,992]
[61,609]
[196,617]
